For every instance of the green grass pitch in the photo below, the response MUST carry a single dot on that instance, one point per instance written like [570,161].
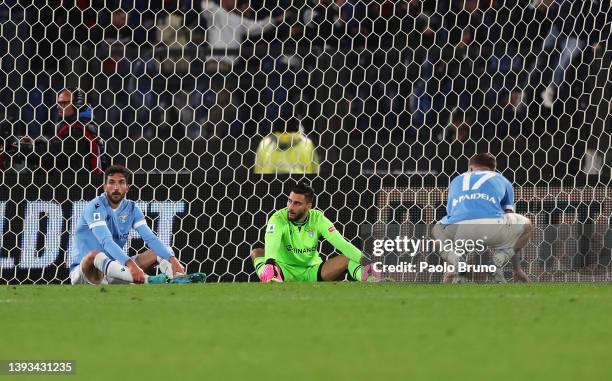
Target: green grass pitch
[335,331]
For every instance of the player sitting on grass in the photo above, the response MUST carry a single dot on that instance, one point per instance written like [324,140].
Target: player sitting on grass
[481,207]
[292,237]
[103,230]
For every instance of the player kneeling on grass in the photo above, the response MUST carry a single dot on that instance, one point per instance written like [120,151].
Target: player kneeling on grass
[292,237]
[103,230]
[481,207]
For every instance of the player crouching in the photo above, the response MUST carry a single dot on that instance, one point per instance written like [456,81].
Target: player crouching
[481,207]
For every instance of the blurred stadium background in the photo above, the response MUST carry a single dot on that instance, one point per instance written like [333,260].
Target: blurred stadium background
[218,106]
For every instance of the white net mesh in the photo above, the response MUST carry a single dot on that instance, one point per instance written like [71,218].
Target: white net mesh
[377,103]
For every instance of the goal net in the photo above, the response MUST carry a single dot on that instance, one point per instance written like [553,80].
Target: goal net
[218,107]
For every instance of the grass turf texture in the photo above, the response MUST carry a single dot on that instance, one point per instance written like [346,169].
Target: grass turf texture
[304,331]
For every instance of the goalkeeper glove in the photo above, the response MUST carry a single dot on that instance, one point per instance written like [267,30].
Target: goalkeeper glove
[271,272]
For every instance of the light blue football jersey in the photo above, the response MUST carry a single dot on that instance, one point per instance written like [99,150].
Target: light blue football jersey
[478,194]
[102,228]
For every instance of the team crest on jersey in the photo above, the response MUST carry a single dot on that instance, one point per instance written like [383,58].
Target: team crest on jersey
[96,216]
[271,228]
[311,233]
[123,217]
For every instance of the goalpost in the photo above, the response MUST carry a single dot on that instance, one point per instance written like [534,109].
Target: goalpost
[395,96]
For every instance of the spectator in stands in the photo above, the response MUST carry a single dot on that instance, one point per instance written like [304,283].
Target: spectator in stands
[332,39]
[576,25]
[463,127]
[458,130]
[423,92]
[117,34]
[455,143]
[126,29]
[228,25]
[333,24]
[286,150]
[272,74]
[76,144]
[467,24]
[177,31]
[597,159]
[506,117]
[593,160]
[182,86]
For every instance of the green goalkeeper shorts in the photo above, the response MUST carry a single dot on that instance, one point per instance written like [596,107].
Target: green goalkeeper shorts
[293,273]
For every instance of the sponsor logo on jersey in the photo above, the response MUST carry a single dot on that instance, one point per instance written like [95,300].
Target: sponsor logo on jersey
[475,196]
[305,250]
[119,237]
[331,229]
[271,228]
[96,216]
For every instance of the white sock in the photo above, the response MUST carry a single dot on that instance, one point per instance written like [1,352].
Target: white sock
[165,267]
[112,269]
[500,258]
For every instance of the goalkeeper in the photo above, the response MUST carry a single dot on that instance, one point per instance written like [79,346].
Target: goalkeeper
[292,237]
[103,230]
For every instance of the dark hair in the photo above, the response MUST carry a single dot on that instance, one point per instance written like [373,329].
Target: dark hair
[305,189]
[111,170]
[484,160]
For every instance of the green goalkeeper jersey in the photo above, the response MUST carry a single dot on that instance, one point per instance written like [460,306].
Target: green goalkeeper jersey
[296,244]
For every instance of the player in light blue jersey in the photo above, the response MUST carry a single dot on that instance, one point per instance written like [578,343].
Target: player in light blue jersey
[481,207]
[103,230]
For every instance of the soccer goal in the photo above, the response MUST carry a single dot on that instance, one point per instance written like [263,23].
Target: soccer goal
[219,107]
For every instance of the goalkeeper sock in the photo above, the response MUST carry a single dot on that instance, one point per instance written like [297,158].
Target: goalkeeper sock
[355,270]
[112,269]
